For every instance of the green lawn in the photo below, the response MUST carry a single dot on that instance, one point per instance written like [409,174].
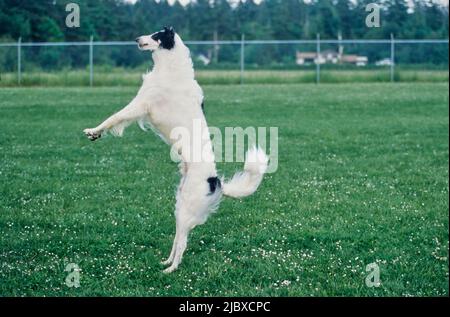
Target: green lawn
[133,77]
[362,178]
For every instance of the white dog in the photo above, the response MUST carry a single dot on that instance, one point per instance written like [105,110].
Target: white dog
[170,98]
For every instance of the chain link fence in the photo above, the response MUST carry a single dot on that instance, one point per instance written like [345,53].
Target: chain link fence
[96,63]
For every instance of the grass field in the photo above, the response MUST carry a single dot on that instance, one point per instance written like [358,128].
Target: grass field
[362,178]
[128,77]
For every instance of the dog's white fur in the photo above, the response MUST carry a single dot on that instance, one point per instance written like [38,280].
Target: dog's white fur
[170,97]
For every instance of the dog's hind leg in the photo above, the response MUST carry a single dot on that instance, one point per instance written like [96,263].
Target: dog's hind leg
[185,222]
[180,244]
[183,171]
[195,202]
[172,252]
[118,121]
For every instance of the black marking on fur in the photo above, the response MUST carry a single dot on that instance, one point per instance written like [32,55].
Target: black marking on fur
[93,136]
[203,107]
[166,38]
[214,183]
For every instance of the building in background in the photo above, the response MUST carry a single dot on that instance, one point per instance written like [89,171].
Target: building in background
[329,57]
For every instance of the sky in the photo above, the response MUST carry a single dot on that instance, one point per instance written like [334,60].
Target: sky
[183,2]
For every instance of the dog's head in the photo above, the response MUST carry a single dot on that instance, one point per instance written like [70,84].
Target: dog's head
[164,39]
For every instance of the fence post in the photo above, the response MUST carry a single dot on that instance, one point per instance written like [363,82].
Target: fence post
[392,58]
[91,61]
[318,60]
[19,61]
[242,57]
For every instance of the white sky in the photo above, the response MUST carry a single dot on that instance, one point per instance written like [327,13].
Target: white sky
[183,2]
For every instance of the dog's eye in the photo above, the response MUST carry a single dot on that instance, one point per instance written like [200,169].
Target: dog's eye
[157,36]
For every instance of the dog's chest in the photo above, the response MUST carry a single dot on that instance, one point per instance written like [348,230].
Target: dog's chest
[170,109]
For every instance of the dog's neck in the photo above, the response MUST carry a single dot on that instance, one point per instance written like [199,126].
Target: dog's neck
[175,62]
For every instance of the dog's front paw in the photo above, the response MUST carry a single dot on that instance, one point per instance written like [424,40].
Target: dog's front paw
[92,134]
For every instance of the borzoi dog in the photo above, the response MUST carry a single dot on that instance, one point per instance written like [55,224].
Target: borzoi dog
[171,98]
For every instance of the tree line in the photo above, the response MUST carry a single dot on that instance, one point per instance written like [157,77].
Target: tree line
[44,20]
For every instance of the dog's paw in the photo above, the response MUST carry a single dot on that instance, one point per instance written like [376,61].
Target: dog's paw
[92,134]
[166,262]
[170,269]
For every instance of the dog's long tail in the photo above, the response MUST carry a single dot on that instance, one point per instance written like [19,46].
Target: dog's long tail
[246,183]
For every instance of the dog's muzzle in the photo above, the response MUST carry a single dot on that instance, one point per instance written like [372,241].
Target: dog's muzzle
[141,45]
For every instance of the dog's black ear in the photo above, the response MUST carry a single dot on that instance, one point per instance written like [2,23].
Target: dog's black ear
[169,29]
[166,38]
